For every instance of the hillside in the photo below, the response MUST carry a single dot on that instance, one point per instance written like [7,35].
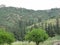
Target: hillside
[17,19]
[11,15]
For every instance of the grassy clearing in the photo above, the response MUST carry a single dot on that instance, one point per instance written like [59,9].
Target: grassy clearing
[49,41]
[23,43]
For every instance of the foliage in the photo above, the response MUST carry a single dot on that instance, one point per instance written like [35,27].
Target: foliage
[49,41]
[53,28]
[36,35]
[13,19]
[50,30]
[6,37]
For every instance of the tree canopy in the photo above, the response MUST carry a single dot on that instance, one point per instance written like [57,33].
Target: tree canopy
[6,37]
[36,35]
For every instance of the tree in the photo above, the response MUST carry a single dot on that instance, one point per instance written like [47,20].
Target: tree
[6,37]
[36,35]
[50,30]
[57,29]
[22,25]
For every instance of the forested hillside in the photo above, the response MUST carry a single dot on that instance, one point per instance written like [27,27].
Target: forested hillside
[16,20]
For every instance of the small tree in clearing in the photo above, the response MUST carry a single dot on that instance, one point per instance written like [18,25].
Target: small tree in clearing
[6,37]
[37,35]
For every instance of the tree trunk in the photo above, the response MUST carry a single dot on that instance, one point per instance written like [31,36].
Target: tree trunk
[10,44]
[37,43]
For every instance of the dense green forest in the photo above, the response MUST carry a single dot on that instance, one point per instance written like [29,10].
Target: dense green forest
[20,20]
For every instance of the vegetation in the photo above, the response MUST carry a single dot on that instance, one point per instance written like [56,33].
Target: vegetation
[21,22]
[36,35]
[6,37]
[16,20]
[49,41]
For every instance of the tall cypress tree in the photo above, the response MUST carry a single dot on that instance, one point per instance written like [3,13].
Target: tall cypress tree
[57,29]
[49,29]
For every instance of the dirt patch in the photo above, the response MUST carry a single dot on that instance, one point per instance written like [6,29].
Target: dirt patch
[56,43]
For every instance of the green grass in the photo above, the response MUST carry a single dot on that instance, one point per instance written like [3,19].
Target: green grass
[23,43]
[49,41]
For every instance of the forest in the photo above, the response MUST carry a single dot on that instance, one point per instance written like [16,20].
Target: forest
[23,22]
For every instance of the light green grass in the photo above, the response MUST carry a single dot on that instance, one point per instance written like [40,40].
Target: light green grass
[23,43]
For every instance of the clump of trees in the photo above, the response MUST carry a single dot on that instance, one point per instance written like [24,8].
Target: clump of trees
[53,29]
[6,37]
[37,35]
